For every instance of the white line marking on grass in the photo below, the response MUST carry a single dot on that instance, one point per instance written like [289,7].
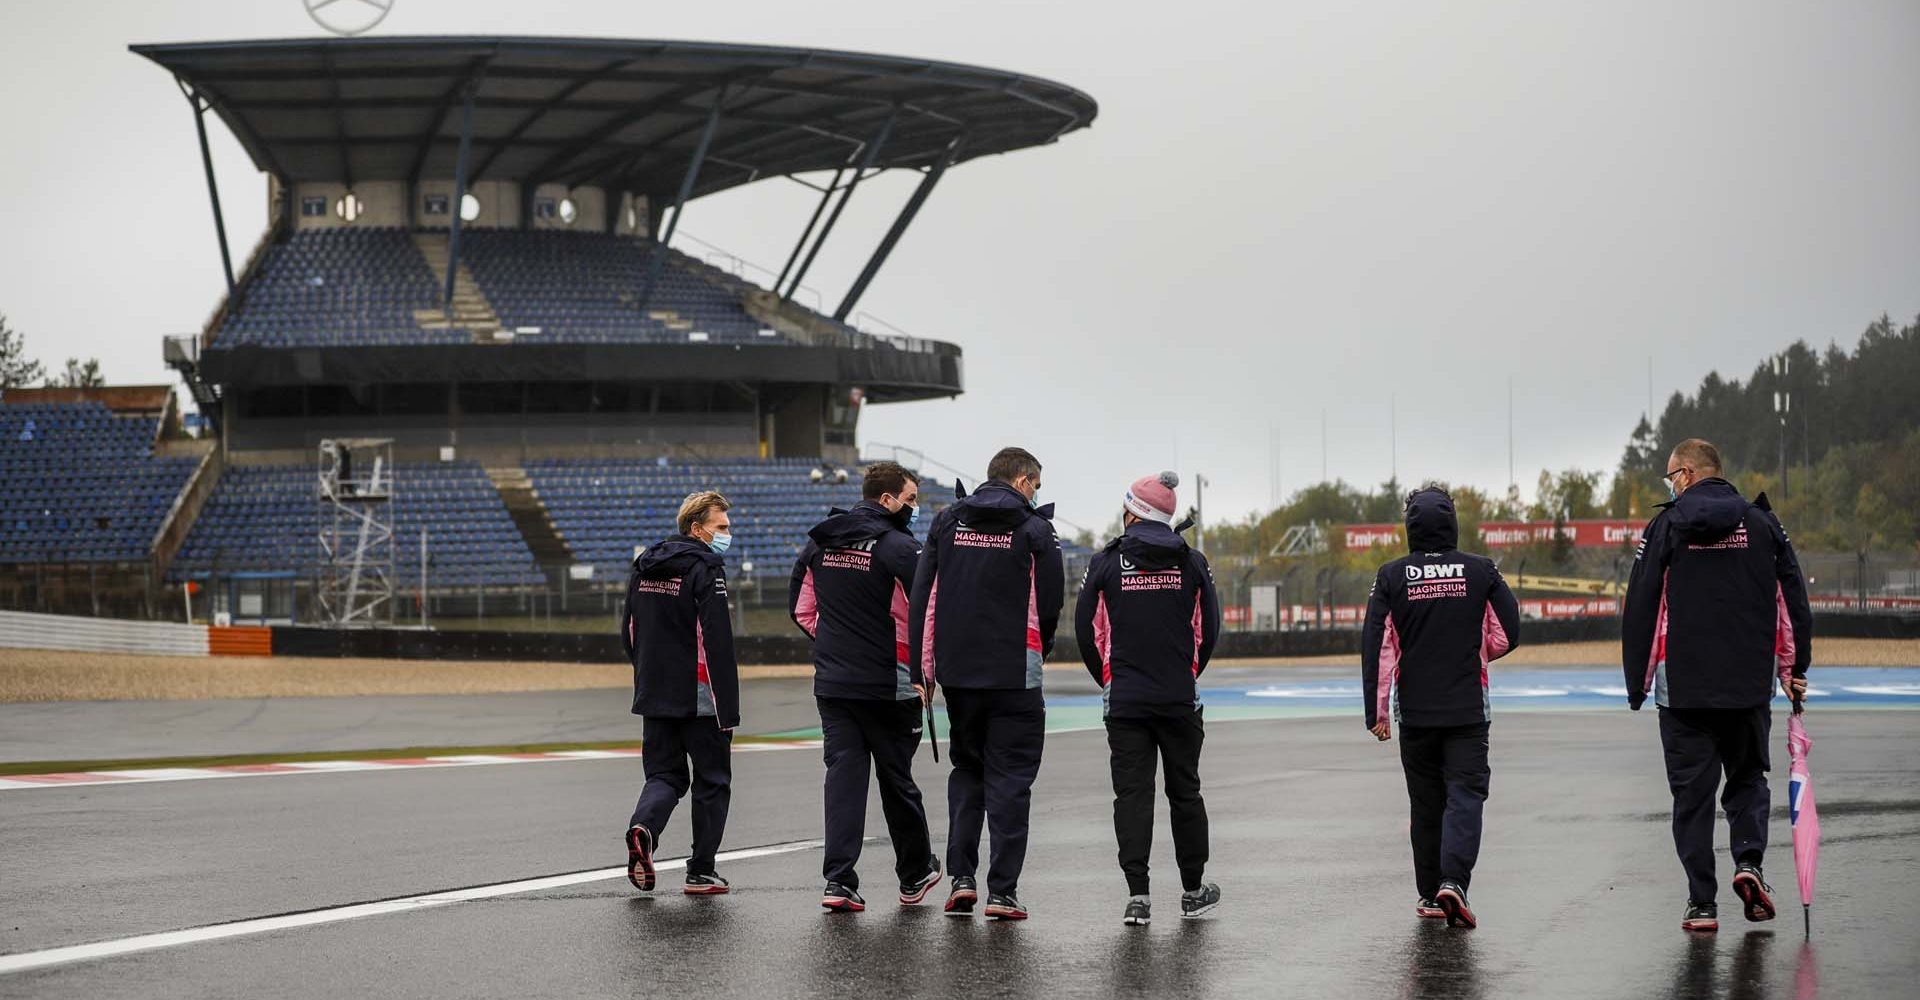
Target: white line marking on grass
[29,960]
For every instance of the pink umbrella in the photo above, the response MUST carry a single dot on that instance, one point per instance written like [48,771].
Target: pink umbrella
[1805,818]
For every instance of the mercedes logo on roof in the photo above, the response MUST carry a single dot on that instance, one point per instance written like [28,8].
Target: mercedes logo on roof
[347,17]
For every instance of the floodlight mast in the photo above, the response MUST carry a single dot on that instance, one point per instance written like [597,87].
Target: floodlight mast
[356,495]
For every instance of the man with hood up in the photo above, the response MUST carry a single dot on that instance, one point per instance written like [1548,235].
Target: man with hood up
[849,594]
[986,602]
[1146,621]
[1436,617]
[1716,608]
[686,686]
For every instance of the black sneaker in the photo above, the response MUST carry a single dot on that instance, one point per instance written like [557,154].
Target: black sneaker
[706,884]
[640,858]
[961,898]
[1429,909]
[1753,890]
[1002,906]
[1139,912]
[1701,917]
[842,899]
[911,893]
[1453,899]
[1196,902]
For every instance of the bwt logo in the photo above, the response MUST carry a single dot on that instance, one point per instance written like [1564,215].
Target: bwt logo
[1436,571]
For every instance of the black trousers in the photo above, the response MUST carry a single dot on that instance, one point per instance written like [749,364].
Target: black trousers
[1447,782]
[863,736]
[993,740]
[1137,744]
[1700,744]
[667,749]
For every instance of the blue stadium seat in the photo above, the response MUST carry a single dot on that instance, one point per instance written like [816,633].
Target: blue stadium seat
[82,484]
[268,517]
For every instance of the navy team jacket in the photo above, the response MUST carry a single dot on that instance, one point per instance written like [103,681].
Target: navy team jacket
[1716,605]
[1146,621]
[678,635]
[988,593]
[1437,616]
[849,594]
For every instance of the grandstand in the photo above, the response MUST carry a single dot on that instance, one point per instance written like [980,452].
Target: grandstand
[82,481]
[469,253]
[266,517]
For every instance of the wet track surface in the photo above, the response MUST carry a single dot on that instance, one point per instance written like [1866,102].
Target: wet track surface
[1578,890]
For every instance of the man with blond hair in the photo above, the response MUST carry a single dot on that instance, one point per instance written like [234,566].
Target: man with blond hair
[686,687]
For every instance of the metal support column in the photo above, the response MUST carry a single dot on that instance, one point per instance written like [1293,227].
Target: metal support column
[459,191]
[801,243]
[213,189]
[658,257]
[899,228]
[867,159]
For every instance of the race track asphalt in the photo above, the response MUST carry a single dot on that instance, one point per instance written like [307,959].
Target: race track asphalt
[1578,890]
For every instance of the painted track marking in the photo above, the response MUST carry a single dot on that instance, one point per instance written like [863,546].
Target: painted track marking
[141,776]
[47,958]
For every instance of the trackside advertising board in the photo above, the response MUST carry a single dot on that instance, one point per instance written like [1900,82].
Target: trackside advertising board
[1590,534]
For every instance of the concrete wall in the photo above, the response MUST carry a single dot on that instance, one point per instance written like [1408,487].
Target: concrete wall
[589,208]
[384,203]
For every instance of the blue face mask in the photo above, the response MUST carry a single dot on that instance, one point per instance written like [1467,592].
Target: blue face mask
[1673,492]
[913,515]
[720,543]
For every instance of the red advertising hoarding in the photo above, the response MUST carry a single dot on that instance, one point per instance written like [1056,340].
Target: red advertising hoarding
[1588,534]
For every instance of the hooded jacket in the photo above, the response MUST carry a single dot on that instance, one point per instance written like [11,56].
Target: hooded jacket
[1716,605]
[988,592]
[849,594]
[1147,620]
[1436,617]
[678,634]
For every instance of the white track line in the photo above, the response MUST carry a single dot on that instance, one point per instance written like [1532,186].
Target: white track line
[146,776]
[28,960]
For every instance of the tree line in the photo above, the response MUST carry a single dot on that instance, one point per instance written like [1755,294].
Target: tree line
[1847,424]
[17,370]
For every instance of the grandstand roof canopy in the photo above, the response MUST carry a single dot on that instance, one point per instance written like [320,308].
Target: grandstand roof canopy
[621,114]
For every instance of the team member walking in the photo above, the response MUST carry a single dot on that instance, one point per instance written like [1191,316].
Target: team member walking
[1715,607]
[849,594]
[686,686]
[1146,621]
[1436,617]
[986,602]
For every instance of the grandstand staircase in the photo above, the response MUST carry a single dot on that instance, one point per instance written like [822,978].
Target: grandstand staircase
[529,515]
[471,310]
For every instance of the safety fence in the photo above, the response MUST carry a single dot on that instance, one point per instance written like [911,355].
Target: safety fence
[20,630]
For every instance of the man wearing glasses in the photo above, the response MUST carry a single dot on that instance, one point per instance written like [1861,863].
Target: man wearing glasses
[1716,606]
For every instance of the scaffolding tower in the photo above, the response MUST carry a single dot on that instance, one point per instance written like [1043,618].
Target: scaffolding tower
[356,496]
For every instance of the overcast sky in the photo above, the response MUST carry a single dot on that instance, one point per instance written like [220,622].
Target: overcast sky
[1283,209]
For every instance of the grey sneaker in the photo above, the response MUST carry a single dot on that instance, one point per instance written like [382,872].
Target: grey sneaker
[1139,912]
[1195,902]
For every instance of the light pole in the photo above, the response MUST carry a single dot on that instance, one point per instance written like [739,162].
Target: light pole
[1200,512]
[1782,404]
